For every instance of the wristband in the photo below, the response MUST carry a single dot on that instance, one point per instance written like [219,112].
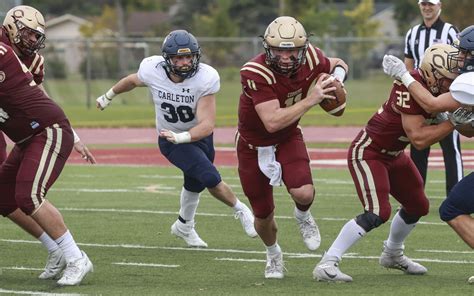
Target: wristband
[76,137]
[407,79]
[339,72]
[184,137]
[110,94]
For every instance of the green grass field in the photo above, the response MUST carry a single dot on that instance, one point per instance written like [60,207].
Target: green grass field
[135,109]
[121,217]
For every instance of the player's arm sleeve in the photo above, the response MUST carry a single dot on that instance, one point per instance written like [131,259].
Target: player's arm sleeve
[37,69]
[318,60]
[462,89]
[213,84]
[143,69]
[256,87]
[405,102]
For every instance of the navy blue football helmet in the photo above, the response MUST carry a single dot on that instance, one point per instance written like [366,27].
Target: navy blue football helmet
[463,60]
[180,43]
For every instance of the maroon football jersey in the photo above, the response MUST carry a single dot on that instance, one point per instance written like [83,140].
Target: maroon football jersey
[385,127]
[34,63]
[260,84]
[30,110]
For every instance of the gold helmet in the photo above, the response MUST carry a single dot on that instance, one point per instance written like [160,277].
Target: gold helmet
[435,69]
[285,33]
[25,27]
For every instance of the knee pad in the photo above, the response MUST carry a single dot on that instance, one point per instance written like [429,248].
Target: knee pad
[409,219]
[369,221]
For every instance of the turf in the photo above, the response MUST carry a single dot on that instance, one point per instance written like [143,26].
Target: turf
[122,215]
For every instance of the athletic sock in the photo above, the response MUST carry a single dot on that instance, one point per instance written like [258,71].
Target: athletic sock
[189,202]
[273,249]
[68,245]
[350,233]
[302,215]
[399,231]
[48,242]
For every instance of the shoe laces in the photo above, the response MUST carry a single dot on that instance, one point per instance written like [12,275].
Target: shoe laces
[71,270]
[276,265]
[242,216]
[308,227]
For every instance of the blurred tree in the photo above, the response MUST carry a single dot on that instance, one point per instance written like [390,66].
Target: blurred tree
[458,12]
[59,7]
[406,13]
[251,17]
[216,24]
[361,26]
[319,18]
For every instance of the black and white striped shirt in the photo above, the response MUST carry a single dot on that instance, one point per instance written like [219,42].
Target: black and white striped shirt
[419,38]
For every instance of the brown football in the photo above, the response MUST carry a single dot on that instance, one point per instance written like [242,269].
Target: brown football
[337,106]
[466,130]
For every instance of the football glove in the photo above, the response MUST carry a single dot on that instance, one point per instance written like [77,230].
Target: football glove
[176,138]
[461,116]
[393,66]
[440,117]
[104,100]
[3,115]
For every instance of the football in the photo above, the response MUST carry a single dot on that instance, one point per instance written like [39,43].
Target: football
[334,107]
[466,130]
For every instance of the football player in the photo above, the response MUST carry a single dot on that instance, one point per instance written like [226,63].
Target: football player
[184,92]
[379,168]
[24,30]
[458,207]
[43,141]
[277,90]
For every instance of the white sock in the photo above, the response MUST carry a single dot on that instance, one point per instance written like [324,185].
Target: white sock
[399,231]
[350,233]
[188,204]
[48,242]
[68,245]
[300,215]
[273,249]
[238,206]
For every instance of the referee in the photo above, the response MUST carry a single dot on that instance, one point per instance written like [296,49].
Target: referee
[417,40]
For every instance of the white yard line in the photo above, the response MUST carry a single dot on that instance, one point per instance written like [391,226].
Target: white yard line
[21,268]
[234,251]
[35,293]
[145,264]
[206,214]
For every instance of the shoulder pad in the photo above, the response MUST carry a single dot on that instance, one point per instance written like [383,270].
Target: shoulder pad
[312,57]
[260,71]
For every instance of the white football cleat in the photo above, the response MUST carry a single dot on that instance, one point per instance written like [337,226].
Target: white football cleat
[188,233]
[275,269]
[310,232]
[247,220]
[471,280]
[394,258]
[54,265]
[76,271]
[328,270]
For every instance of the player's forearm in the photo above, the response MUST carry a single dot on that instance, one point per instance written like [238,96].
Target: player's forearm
[201,130]
[430,134]
[283,117]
